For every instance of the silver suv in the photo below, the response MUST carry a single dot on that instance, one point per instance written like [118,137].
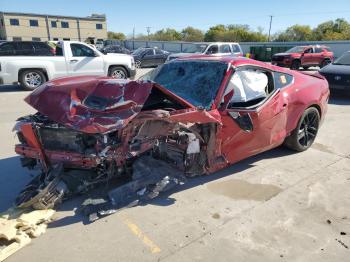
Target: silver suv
[215,48]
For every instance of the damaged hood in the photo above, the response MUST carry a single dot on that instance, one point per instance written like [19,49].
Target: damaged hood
[90,104]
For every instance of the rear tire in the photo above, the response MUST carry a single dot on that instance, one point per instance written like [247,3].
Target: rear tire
[31,79]
[118,72]
[295,65]
[303,136]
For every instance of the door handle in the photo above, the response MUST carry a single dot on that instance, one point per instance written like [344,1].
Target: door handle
[74,60]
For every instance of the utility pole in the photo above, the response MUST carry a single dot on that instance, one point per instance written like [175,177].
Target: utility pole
[148,31]
[133,38]
[270,28]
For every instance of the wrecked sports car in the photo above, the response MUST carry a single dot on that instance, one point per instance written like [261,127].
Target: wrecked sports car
[189,117]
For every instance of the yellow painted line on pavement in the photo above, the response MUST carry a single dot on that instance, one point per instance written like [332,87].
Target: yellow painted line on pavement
[144,238]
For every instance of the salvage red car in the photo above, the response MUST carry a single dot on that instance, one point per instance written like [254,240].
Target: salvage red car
[189,117]
[304,56]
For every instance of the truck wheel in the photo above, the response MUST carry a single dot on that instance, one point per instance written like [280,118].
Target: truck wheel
[295,65]
[325,62]
[118,72]
[305,133]
[31,79]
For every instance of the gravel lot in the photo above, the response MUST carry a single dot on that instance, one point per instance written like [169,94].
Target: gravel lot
[275,206]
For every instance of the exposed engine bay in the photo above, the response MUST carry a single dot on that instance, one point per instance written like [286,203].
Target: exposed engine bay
[150,154]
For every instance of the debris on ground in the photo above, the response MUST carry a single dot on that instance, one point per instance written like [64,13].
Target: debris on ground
[18,227]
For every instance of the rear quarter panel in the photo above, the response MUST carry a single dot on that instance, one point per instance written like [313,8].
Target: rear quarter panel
[306,91]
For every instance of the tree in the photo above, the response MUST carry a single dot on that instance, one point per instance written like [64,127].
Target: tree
[115,35]
[295,33]
[191,34]
[332,30]
[167,34]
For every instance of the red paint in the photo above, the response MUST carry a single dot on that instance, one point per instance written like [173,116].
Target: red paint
[62,101]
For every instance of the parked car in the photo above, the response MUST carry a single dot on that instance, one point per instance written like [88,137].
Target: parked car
[150,56]
[338,73]
[25,48]
[115,49]
[304,56]
[215,48]
[72,59]
[197,115]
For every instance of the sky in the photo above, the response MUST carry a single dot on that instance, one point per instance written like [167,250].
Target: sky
[123,16]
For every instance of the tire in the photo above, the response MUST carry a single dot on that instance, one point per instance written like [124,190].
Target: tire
[31,79]
[138,64]
[324,63]
[295,65]
[303,136]
[118,72]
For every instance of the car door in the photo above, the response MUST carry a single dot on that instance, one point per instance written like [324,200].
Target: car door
[83,60]
[148,57]
[307,57]
[159,57]
[253,128]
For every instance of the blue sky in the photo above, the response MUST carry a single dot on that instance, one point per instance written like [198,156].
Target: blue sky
[122,16]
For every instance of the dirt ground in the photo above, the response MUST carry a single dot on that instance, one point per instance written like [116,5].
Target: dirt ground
[276,206]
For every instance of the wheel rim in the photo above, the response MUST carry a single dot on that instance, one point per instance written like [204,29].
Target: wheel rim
[119,74]
[33,79]
[138,64]
[308,129]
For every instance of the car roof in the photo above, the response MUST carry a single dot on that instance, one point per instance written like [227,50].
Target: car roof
[234,60]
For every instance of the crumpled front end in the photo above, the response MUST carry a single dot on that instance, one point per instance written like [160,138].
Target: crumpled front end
[99,133]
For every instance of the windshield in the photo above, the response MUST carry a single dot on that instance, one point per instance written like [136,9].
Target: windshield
[195,49]
[296,49]
[195,81]
[138,51]
[343,60]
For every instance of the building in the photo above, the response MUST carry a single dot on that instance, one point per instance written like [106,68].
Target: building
[39,27]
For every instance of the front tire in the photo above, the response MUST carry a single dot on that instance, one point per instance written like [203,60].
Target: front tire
[305,133]
[118,72]
[31,79]
[295,65]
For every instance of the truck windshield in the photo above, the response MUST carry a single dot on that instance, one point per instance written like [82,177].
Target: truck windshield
[195,81]
[195,48]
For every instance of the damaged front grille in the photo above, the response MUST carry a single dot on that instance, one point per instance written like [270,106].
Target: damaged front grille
[63,139]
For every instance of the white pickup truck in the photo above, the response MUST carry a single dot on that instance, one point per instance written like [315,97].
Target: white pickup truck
[71,59]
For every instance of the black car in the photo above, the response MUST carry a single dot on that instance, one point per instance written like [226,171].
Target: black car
[26,48]
[115,49]
[338,73]
[147,57]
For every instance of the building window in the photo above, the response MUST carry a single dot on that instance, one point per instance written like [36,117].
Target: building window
[64,24]
[55,39]
[33,23]
[16,38]
[36,39]
[53,24]
[14,21]
[66,39]
[99,26]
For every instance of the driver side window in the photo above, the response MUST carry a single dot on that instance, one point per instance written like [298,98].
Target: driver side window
[214,49]
[250,86]
[81,50]
[308,51]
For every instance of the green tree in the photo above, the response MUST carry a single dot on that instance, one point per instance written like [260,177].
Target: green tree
[338,29]
[167,34]
[295,33]
[115,35]
[191,34]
